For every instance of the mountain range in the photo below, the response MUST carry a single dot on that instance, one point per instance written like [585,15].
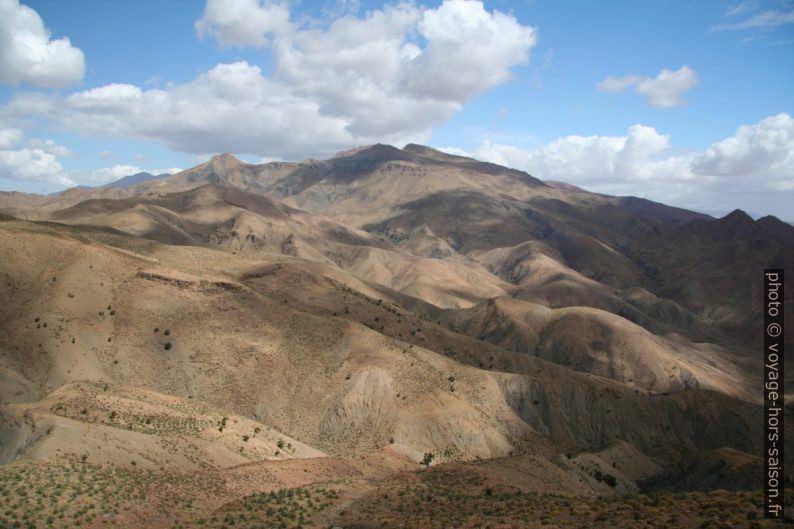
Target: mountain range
[318,327]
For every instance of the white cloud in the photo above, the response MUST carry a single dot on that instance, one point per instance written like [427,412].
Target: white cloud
[768,19]
[10,137]
[28,54]
[389,76]
[105,174]
[757,158]
[618,84]
[243,22]
[33,165]
[765,148]
[663,91]
[596,160]
[38,161]
[50,147]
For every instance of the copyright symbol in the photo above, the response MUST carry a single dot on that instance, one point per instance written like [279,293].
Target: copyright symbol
[773,329]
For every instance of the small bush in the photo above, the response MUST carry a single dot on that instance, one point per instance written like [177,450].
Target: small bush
[167,346]
[428,458]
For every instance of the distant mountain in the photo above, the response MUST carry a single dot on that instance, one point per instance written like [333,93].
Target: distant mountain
[137,178]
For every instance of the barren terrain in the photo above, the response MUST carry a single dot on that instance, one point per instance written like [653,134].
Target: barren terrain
[280,345]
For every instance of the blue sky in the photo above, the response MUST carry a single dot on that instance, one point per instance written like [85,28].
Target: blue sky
[688,103]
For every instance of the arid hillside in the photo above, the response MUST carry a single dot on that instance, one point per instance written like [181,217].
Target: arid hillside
[318,327]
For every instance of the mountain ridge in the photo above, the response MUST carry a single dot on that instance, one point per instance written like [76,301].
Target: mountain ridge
[333,321]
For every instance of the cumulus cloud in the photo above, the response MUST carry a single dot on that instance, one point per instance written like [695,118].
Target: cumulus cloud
[595,160]
[757,158]
[765,148]
[28,54]
[50,147]
[33,165]
[663,91]
[38,161]
[243,22]
[10,137]
[389,76]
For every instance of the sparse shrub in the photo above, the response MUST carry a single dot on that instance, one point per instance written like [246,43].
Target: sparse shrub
[167,332]
[280,443]
[167,346]
[257,429]
[245,438]
[157,329]
[427,459]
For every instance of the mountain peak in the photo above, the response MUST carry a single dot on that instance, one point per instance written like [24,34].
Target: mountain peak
[377,150]
[738,215]
[225,160]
